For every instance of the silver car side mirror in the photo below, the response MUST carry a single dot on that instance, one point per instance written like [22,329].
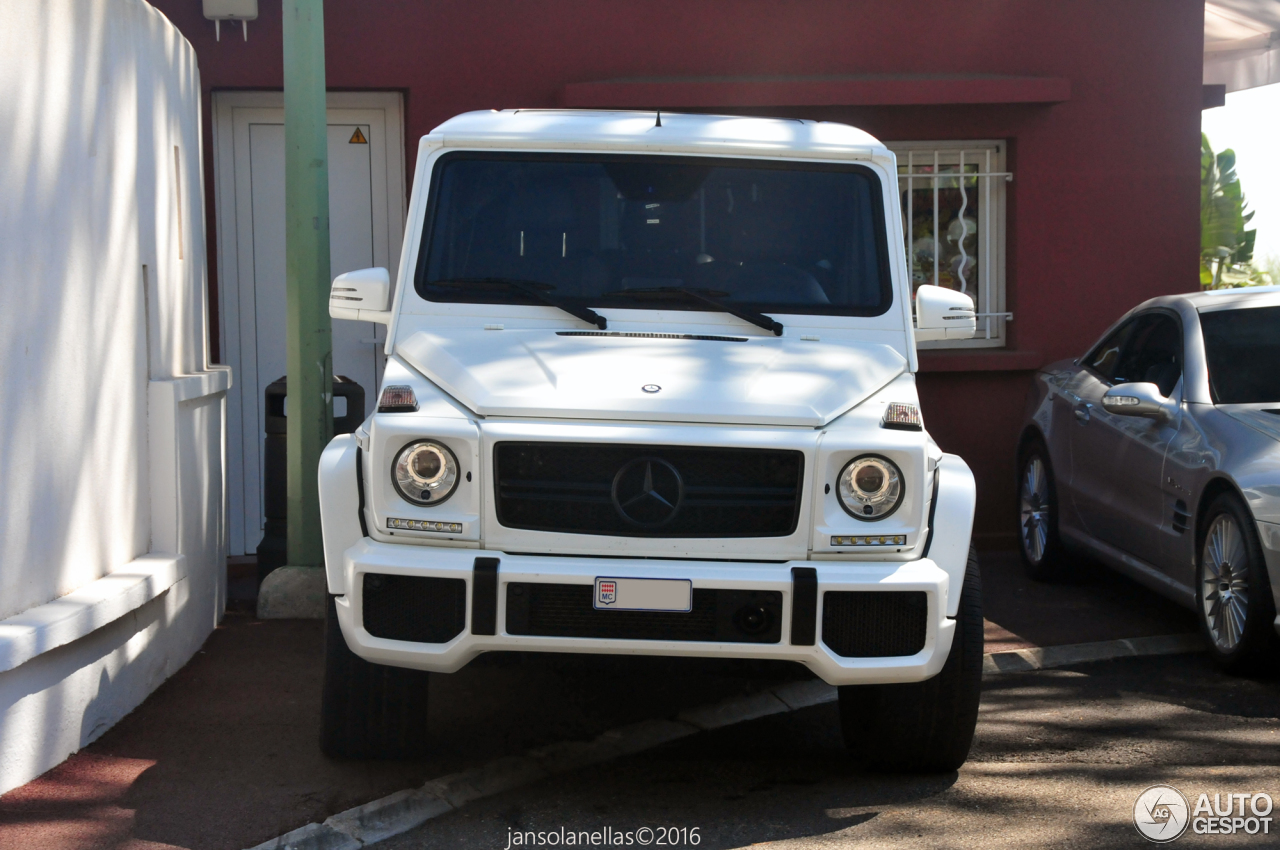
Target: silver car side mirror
[1139,399]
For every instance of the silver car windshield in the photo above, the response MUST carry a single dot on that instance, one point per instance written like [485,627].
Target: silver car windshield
[1243,350]
[636,232]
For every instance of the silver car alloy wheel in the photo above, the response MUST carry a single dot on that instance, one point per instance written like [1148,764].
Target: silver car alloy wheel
[1034,505]
[1224,582]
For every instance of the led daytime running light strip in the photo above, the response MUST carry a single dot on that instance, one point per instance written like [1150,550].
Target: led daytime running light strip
[876,540]
[424,525]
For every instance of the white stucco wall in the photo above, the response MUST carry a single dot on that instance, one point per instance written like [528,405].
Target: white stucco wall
[111,422]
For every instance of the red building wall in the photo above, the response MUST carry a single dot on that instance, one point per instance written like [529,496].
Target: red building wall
[1103,211]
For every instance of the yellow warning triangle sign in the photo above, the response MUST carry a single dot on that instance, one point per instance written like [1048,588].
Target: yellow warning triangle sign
[357,138]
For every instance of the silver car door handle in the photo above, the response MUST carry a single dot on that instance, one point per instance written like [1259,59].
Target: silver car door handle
[1082,412]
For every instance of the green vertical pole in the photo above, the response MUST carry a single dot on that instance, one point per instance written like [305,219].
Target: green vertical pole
[308,331]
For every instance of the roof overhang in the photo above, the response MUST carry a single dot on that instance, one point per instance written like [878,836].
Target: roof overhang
[835,90]
[1241,43]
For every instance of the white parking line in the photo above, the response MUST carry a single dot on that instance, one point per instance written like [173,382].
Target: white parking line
[402,811]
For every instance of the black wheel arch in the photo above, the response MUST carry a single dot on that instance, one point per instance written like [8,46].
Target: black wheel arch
[1031,436]
[1031,433]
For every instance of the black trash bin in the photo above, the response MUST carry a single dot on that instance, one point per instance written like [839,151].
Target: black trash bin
[275,490]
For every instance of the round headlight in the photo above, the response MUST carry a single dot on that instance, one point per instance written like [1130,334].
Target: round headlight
[425,472]
[870,487]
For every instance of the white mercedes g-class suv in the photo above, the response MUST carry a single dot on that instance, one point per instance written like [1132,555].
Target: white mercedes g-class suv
[650,390]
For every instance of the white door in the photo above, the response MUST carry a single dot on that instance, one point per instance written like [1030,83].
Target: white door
[366,215]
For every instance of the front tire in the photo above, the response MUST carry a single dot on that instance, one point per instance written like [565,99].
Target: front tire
[367,710]
[1040,546]
[923,727]
[1233,593]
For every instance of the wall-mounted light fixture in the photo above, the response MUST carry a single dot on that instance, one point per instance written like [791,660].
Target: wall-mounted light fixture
[230,10]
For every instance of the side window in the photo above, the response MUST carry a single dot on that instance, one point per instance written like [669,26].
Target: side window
[1153,353]
[1106,357]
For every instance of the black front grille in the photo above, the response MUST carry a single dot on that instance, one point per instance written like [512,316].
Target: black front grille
[414,608]
[587,488]
[874,624]
[566,610]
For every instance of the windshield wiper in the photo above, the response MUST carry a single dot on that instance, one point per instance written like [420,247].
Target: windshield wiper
[532,288]
[709,297]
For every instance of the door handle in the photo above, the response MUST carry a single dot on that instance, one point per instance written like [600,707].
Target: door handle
[1082,412]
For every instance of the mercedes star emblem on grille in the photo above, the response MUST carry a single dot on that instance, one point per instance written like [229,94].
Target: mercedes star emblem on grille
[651,388]
[647,492]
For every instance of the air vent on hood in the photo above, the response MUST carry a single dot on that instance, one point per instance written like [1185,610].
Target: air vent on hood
[703,337]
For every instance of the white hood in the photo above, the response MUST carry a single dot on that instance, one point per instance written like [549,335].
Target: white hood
[540,373]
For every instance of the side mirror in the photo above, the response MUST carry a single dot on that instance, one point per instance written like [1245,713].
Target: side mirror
[363,295]
[1138,399]
[944,314]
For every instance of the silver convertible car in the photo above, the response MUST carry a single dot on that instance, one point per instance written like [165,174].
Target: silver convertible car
[1158,452]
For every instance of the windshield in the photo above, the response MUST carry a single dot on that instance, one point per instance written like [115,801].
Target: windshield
[591,230]
[1243,348]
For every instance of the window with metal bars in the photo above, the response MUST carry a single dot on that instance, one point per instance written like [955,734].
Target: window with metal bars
[953,215]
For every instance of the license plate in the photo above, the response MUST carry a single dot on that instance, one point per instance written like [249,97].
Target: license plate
[644,594]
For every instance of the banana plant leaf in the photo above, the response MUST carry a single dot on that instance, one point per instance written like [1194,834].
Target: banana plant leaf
[1223,216]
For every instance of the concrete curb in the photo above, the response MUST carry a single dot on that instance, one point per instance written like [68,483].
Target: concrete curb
[734,711]
[313,836]
[388,816]
[402,811]
[1041,657]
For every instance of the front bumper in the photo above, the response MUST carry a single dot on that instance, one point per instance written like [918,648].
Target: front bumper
[368,556]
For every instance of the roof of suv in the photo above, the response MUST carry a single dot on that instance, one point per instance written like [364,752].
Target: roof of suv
[673,133]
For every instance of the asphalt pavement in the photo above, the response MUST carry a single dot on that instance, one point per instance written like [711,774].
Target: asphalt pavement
[223,756]
[1060,758]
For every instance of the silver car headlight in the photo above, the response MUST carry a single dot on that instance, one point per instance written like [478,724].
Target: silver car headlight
[870,487]
[425,473]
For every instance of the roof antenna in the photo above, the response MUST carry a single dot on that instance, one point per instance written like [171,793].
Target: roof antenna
[658,123]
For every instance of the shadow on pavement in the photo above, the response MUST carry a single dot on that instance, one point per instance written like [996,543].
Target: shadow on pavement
[1059,760]
[224,754]
[1096,604]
